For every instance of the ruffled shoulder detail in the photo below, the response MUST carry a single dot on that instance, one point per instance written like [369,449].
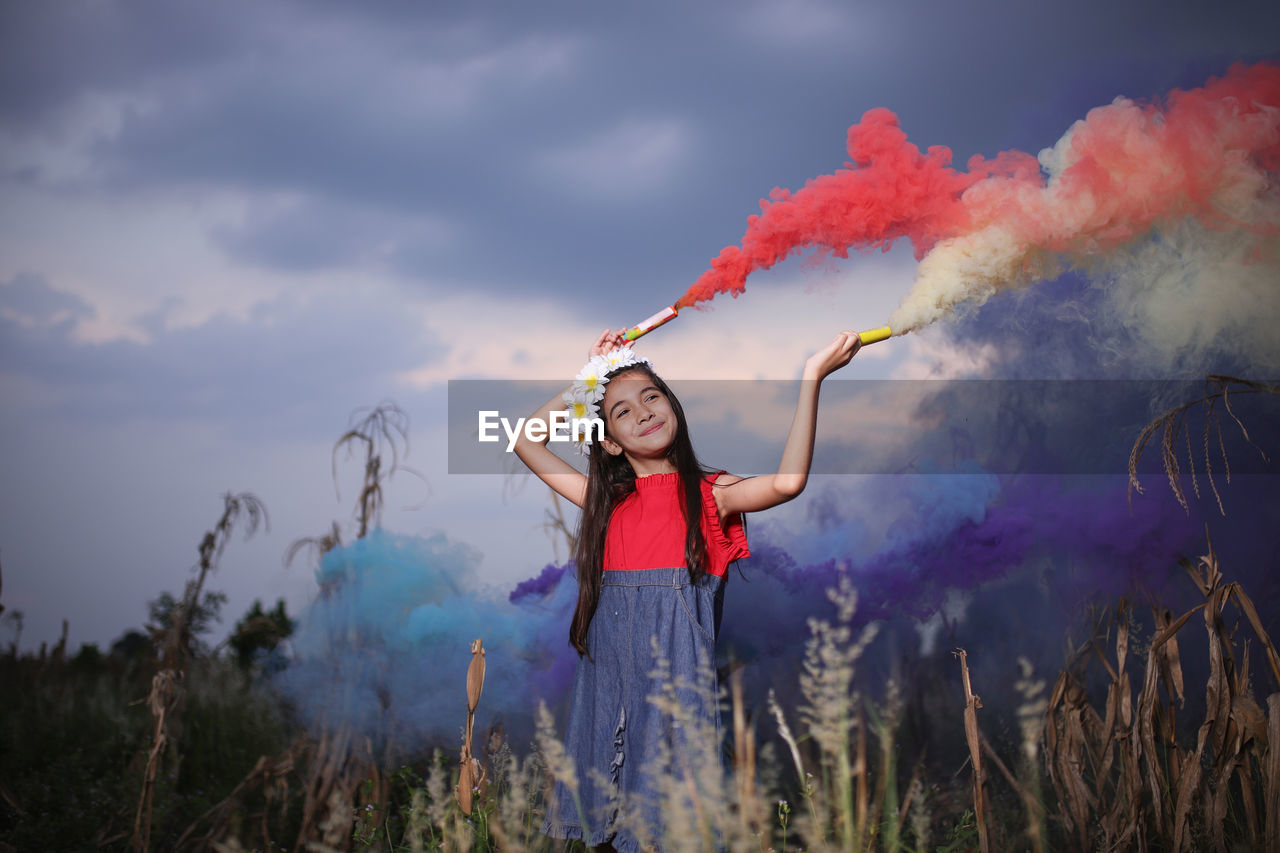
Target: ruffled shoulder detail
[728,542]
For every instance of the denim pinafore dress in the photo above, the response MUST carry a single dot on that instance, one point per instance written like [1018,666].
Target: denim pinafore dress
[644,711]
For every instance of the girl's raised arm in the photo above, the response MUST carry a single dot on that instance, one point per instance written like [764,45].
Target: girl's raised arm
[756,493]
[566,480]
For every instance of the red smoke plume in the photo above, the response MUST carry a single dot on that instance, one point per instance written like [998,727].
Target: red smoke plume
[1209,153]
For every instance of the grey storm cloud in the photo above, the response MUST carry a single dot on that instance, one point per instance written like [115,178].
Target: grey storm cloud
[52,55]
[315,234]
[476,117]
[294,365]
[28,298]
[465,145]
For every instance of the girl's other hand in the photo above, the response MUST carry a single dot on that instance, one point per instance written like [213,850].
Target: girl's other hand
[607,342]
[833,356]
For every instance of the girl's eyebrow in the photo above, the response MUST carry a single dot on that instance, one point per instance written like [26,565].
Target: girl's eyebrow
[639,393]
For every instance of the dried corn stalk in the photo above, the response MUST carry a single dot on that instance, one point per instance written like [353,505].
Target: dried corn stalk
[334,774]
[471,775]
[1122,778]
[971,705]
[1173,424]
[166,692]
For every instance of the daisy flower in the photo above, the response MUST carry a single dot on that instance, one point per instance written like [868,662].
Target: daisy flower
[580,405]
[591,379]
[621,357]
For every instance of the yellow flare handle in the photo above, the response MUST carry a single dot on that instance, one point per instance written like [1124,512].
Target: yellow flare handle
[874,336]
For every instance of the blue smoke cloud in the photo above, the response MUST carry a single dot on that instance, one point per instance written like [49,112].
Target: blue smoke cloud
[385,646]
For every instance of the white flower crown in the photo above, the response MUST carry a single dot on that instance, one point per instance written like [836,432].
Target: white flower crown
[582,400]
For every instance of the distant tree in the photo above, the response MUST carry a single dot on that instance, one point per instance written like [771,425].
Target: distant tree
[14,619]
[200,618]
[131,645]
[260,631]
[88,659]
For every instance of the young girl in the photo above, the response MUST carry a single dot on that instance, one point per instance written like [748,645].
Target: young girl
[656,537]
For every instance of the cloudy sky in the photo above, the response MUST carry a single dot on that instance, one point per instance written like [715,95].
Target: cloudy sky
[226,226]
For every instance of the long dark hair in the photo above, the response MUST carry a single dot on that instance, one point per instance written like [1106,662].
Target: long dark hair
[609,480]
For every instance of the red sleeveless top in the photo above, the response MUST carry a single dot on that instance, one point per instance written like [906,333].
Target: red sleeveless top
[646,529]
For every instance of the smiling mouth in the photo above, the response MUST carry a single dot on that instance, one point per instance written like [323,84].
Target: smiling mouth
[653,428]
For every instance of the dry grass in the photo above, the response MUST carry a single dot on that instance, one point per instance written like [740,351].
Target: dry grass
[269,778]
[1118,770]
[383,431]
[1123,769]
[851,800]
[973,737]
[1175,433]
[471,776]
[342,767]
[1123,777]
[166,698]
[559,529]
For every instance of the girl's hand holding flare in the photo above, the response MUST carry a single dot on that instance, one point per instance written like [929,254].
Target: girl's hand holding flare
[833,356]
[607,342]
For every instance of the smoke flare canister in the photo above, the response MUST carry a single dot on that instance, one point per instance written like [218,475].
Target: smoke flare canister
[666,315]
[874,336]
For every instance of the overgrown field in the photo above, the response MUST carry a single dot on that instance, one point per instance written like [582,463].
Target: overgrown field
[1118,751]
[1160,730]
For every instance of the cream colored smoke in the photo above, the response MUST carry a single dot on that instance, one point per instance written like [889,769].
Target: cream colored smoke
[1192,296]
[968,270]
[1202,281]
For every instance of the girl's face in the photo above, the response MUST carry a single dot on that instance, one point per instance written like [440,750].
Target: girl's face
[638,417]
